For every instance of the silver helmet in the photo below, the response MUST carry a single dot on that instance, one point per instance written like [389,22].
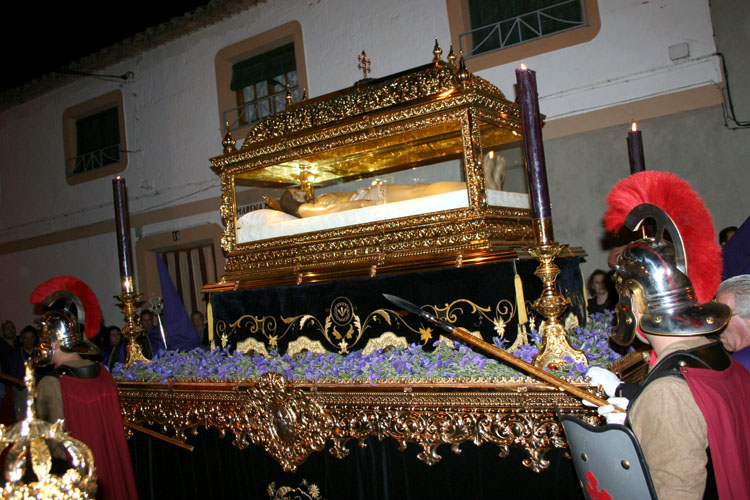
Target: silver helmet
[651,272]
[67,304]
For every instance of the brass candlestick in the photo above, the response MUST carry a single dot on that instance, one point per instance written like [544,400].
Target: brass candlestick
[129,301]
[551,304]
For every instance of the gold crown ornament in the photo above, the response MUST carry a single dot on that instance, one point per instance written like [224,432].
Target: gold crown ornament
[29,438]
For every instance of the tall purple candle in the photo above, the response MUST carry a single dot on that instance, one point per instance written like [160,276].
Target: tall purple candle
[122,225]
[532,139]
[635,150]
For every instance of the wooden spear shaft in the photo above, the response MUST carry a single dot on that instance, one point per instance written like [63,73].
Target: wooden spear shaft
[157,435]
[488,348]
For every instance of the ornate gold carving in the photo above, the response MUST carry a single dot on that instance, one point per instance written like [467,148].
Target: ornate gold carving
[29,438]
[305,491]
[404,242]
[503,313]
[410,87]
[292,420]
[250,344]
[385,341]
[270,413]
[302,344]
[555,346]
[291,425]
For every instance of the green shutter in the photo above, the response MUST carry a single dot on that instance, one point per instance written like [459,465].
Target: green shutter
[263,67]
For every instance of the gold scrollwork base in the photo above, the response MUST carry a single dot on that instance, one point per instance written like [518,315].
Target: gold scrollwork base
[293,420]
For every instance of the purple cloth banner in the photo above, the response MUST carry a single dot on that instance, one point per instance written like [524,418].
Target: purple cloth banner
[179,331]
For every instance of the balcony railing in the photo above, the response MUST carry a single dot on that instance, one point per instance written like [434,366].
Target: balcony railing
[95,159]
[526,27]
[252,112]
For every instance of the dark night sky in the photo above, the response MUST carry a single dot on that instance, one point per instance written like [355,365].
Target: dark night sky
[38,38]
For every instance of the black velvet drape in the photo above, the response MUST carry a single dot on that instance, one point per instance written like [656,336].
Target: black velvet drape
[347,310]
[216,469]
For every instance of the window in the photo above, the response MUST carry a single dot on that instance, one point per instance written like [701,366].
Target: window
[98,141]
[496,25]
[261,84]
[94,138]
[252,76]
[495,32]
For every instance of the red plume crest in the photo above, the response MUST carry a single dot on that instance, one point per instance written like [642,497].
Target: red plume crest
[675,196]
[81,290]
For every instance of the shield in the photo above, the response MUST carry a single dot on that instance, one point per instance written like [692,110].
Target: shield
[608,461]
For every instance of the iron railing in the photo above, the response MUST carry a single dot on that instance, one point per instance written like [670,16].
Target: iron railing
[95,159]
[520,29]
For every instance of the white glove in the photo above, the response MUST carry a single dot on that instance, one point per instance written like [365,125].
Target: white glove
[604,378]
[609,413]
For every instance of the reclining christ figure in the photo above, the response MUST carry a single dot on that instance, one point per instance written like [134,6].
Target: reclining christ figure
[295,202]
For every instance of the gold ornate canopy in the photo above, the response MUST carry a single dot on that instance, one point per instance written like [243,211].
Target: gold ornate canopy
[422,117]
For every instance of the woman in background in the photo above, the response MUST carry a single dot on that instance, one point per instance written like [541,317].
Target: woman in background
[601,293]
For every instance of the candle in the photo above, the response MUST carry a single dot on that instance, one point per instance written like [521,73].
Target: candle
[122,225]
[635,150]
[532,139]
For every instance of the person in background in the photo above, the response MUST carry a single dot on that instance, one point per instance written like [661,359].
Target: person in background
[735,253]
[152,331]
[200,326]
[114,338]
[726,233]
[23,352]
[150,334]
[601,292]
[735,292]
[9,344]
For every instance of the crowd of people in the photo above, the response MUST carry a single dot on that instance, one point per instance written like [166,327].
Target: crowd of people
[16,348]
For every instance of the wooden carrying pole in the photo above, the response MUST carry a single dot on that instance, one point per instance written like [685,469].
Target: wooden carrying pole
[157,435]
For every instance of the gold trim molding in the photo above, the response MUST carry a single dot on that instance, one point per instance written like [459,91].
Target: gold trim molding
[291,420]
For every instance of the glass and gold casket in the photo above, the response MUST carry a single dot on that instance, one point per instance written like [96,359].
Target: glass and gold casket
[449,139]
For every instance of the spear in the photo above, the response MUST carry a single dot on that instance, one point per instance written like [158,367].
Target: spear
[481,345]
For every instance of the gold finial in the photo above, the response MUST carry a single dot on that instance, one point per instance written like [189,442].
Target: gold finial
[463,73]
[364,64]
[289,97]
[228,141]
[437,51]
[452,57]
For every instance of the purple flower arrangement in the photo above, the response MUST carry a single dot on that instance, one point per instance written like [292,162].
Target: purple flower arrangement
[448,361]
[593,340]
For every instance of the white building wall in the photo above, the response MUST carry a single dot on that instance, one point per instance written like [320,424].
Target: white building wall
[173,124]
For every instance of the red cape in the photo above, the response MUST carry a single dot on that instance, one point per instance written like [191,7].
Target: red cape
[724,399]
[93,415]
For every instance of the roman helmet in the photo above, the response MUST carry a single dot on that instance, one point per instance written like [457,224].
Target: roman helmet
[71,315]
[672,282]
